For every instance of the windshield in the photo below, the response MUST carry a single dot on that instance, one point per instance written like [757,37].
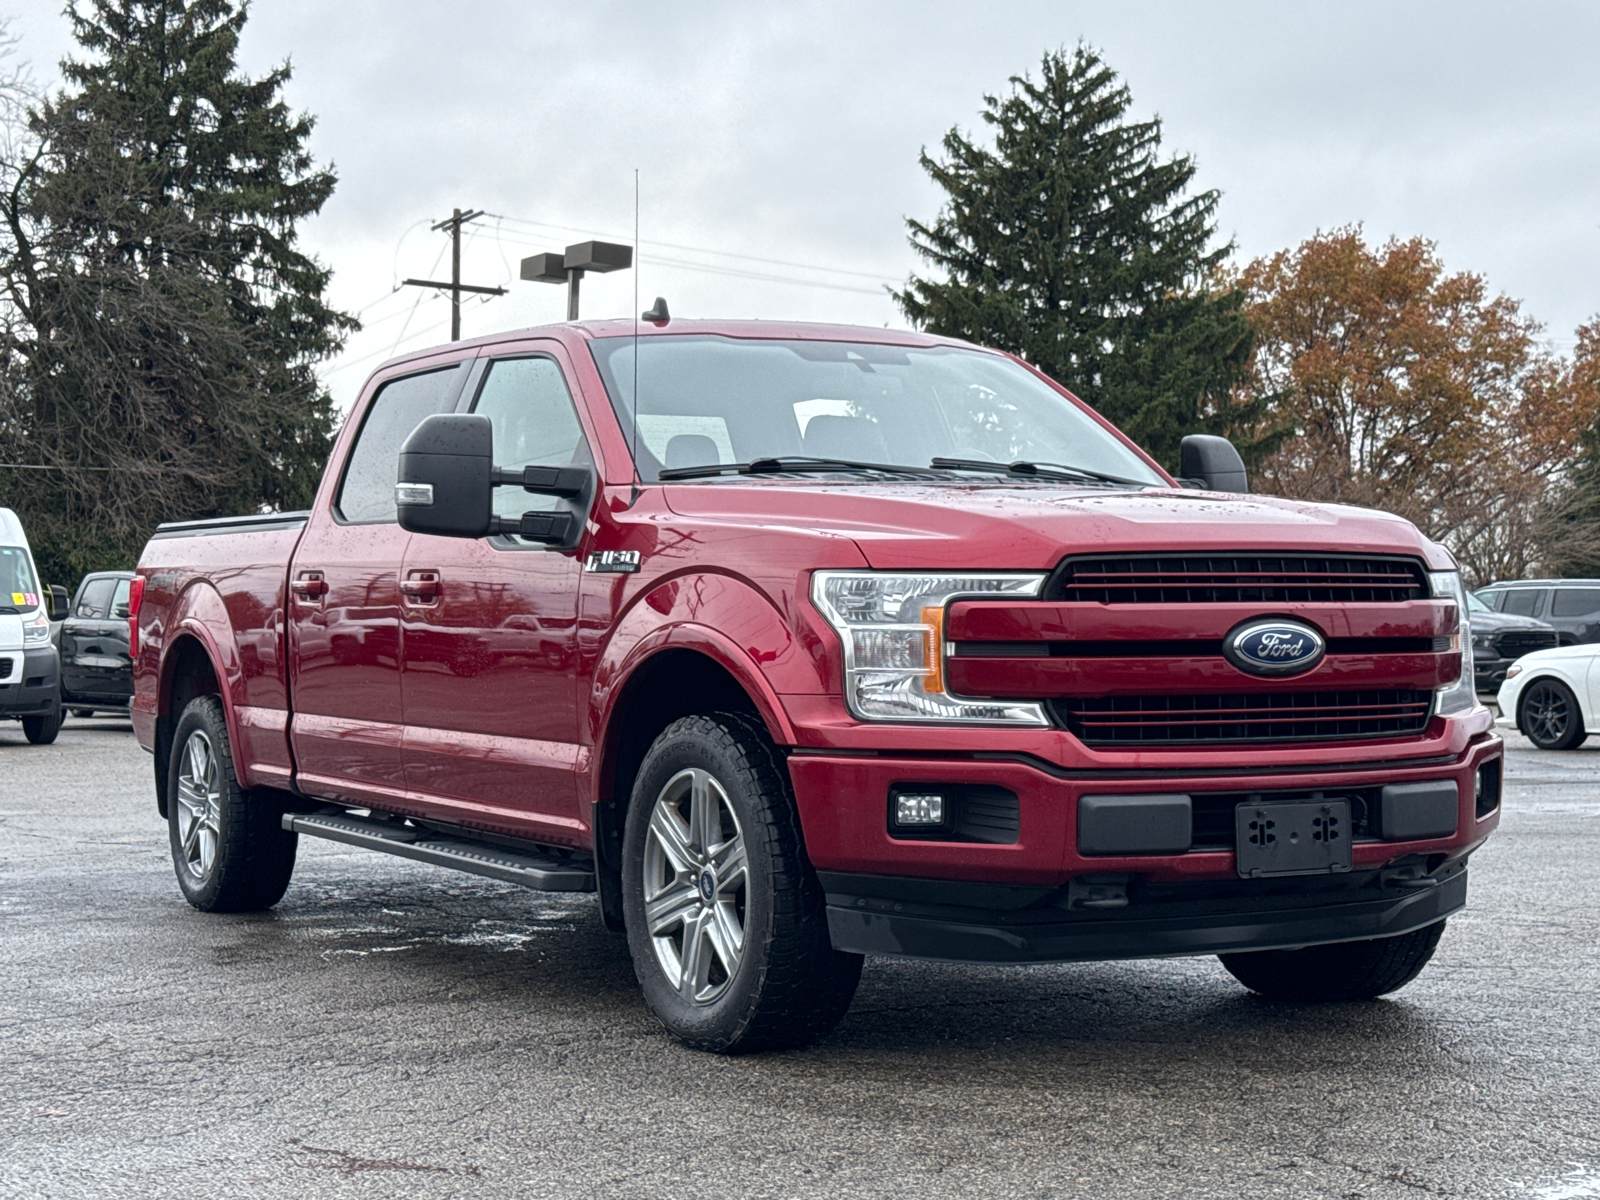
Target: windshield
[708,399]
[1476,605]
[18,590]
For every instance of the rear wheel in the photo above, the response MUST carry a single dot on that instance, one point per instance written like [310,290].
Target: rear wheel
[725,918]
[1548,713]
[228,846]
[1340,971]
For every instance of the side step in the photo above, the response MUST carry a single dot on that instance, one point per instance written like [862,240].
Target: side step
[542,872]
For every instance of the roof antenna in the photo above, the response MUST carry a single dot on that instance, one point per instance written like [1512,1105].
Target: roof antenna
[658,314]
[633,450]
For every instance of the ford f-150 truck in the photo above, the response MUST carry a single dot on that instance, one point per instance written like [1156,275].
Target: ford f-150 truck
[800,643]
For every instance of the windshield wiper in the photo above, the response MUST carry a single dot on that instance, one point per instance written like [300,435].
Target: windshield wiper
[1034,470]
[785,465]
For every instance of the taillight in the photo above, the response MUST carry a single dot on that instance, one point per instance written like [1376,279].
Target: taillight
[135,595]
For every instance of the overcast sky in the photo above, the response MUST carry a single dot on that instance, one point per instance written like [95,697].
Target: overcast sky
[777,144]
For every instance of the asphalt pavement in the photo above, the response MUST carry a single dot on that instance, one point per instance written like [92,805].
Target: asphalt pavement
[392,1029]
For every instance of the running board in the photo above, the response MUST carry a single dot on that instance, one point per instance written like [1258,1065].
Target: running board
[542,872]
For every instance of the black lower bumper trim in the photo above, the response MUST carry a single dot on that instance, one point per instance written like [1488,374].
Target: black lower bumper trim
[869,930]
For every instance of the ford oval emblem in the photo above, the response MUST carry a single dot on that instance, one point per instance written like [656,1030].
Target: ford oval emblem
[1274,647]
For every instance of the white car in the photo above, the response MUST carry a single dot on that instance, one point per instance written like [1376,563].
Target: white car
[1553,696]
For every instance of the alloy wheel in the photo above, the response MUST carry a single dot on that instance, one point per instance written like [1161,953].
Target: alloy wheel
[199,801]
[1546,715]
[696,885]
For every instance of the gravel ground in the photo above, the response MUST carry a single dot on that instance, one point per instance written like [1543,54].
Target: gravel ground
[394,1029]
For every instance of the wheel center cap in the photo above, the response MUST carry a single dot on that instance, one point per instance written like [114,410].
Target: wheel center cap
[707,883]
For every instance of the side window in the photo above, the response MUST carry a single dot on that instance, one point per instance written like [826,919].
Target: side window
[119,599]
[1575,602]
[95,602]
[527,402]
[366,497]
[1522,602]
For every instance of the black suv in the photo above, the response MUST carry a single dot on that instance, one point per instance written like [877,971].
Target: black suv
[1572,606]
[1498,640]
[96,669]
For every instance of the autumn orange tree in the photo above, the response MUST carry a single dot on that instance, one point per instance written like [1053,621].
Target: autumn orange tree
[1397,385]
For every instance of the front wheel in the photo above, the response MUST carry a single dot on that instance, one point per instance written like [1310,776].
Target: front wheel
[1341,971]
[228,845]
[42,730]
[725,918]
[1548,713]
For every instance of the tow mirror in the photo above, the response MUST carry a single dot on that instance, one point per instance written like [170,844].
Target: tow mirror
[56,602]
[1213,462]
[447,479]
[443,485]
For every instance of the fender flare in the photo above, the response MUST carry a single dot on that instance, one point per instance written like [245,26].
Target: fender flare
[199,613]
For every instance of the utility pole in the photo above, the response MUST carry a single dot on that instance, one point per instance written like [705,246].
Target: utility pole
[455,287]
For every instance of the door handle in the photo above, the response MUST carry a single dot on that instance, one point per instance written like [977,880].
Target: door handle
[310,585]
[421,585]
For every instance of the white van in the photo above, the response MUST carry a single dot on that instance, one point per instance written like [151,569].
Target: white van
[30,668]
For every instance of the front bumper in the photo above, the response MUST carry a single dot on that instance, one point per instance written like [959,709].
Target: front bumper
[1030,894]
[915,919]
[36,689]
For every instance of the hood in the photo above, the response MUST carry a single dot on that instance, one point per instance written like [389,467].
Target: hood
[988,526]
[1494,622]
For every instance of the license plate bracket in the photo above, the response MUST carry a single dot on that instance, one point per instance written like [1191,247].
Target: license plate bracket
[1294,837]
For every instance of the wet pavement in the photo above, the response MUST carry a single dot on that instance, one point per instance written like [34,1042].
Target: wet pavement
[392,1029]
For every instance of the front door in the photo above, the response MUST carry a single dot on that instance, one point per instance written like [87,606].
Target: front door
[344,609]
[95,665]
[489,684]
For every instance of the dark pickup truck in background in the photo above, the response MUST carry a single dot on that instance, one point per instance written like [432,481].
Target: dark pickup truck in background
[802,643]
[96,668]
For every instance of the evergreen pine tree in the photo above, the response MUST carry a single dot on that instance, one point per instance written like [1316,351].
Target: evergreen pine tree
[1070,244]
[170,323]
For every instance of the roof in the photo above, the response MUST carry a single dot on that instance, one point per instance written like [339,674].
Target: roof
[11,533]
[572,332]
[1528,583]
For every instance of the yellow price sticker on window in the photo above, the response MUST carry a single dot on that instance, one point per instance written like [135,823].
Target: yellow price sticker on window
[18,598]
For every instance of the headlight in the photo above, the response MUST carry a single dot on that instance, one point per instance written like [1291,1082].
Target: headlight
[1462,695]
[1513,670]
[36,630]
[1482,641]
[892,628]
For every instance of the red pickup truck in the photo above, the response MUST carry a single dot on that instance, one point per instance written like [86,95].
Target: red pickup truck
[799,643]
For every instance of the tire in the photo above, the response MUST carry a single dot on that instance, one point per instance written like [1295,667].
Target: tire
[1340,971]
[1548,713]
[738,958]
[42,730]
[228,848]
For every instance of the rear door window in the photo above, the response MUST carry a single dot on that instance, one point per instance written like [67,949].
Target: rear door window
[95,602]
[1523,602]
[366,497]
[119,599]
[1575,602]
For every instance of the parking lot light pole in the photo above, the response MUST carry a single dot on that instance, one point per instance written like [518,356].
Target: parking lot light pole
[569,267]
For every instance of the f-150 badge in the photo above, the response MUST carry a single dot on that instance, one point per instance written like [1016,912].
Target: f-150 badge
[1274,647]
[612,562]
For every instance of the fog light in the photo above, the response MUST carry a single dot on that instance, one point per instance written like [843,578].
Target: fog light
[918,811]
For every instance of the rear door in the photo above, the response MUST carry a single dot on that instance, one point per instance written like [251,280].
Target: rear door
[344,605]
[490,648]
[1575,611]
